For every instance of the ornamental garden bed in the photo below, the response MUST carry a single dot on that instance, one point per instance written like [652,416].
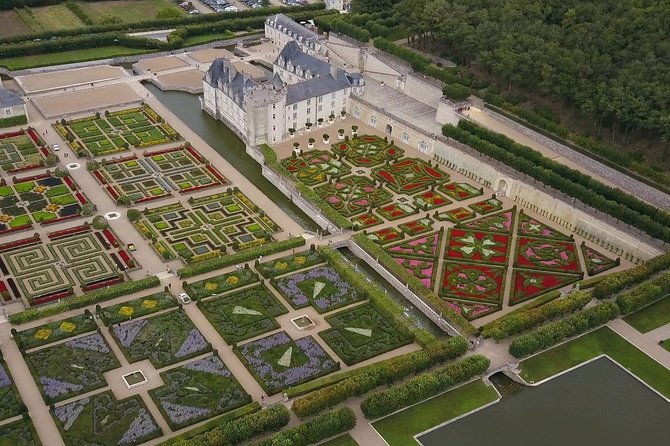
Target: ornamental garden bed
[473,283]
[367,151]
[278,362]
[135,308]
[477,246]
[386,235]
[22,150]
[157,174]
[596,262]
[115,132]
[364,221]
[44,199]
[396,211]
[556,255]
[461,191]
[417,227]
[455,215]
[221,283]
[103,420]
[315,167]
[419,256]
[10,399]
[197,391]
[289,263]
[410,175]
[164,339]
[74,367]
[243,314]
[54,331]
[528,284]
[20,433]
[362,333]
[430,200]
[353,195]
[206,227]
[322,287]
[487,206]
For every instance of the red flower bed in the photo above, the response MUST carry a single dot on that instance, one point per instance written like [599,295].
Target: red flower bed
[473,282]
[127,259]
[112,192]
[58,220]
[477,246]
[98,176]
[52,297]
[121,160]
[385,235]
[3,287]
[102,284]
[12,134]
[34,177]
[70,183]
[70,231]
[34,136]
[110,237]
[160,152]
[16,228]
[44,151]
[24,168]
[154,197]
[81,198]
[216,173]
[530,284]
[546,254]
[19,243]
[195,188]
[195,153]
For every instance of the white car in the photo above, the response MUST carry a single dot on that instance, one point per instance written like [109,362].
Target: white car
[184,298]
[55,147]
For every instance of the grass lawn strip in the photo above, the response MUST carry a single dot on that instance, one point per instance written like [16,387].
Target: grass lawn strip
[196,391]
[399,429]
[344,440]
[591,345]
[651,317]
[164,339]
[54,331]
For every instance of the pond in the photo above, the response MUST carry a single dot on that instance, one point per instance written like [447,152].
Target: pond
[598,404]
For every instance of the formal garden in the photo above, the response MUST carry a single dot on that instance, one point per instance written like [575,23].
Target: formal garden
[42,271]
[205,227]
[163,339]
[220,284]
[155,175]
[135,308]
[278,362]
[113,132]
[19,433]
[10,400]
[198,390]
[289,263]
[44,198]
[103,420]
[50,332]
[22,150]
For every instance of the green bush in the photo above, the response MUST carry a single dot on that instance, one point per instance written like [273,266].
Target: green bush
[240,257]
[423,386]
[79,12]
[456,92]
[382,373]
[318,428]
[619,281]
[645,294]
[520,321]
[556,332]
[436,303]
[72,303]
[14,120]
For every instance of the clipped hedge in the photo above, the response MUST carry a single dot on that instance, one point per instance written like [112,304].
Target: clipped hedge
[73,303]
[520,321]
[382,373]
[379,299]
[317,429]
[14,120]
[555,332]
[619,281]
[240,257]
[436,303]
[270,157]
[423,386]
[645,294]
[242,429]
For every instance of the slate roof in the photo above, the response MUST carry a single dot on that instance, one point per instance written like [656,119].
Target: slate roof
[317,86]
[293,26]
[223,71]
[292,53]
[9,98]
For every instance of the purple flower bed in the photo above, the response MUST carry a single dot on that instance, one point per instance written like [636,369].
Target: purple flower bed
[126,333]
[194,343]
[142,426]
[274,377]
[93,342]
[179,413]
[54,388]
[5,381]
[336,293]
[68,413]
[211,364]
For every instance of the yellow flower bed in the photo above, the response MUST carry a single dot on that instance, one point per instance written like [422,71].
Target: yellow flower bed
[148,303]
[43,334]
[68,327]
[232,280]
[211,286]
[126,311]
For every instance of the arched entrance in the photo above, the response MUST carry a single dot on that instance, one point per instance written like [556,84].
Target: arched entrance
[388,129]
[502,188]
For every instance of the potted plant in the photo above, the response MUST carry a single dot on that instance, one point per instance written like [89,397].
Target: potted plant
[354,130]
[319,122]
[291,132]
[310,143]
[340,134]
[326,138]
[343,113]
[308,126]
[331,118]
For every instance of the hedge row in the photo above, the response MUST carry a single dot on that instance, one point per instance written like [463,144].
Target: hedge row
[379,299]
[73,303]
[240,257]
[615,202]
[617,282]
[423,386]
[331,214]
[645,294]
[382,373]
[242,429]
[436,303]
[319,428]
[523,320]
[14,120]
[555,332]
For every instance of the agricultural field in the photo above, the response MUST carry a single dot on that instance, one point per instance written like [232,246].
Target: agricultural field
[127,10]
[109,133]
[41,271]
[49,18]
[22,150]
[206,227]
[43,198]
[12,24]
[157,174]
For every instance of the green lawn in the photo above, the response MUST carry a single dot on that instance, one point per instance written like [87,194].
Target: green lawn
[598,342]
[41,60]
[206,38]
[128,10]
[399,429]
[651,317]
[56,17]
[666,344]
[343,440]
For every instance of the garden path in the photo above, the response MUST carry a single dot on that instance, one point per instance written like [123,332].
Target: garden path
[644,342]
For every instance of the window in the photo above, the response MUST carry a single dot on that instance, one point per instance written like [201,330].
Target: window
[295,116]
[357,112]
[332,95]
[309,101]
[295,106]
[274,127]
[320,107]
[373,120]
[423,147]
[295,125]
[308,111]
[273,106]
[273,116]
[8,112]
[405,137]
[320,99]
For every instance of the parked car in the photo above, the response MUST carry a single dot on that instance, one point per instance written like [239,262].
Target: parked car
[55,147]
[184,298]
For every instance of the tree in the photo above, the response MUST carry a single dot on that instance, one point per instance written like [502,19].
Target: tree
[168,13]
[100,223]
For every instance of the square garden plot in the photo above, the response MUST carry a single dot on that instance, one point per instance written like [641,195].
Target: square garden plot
[206,227]
[362,333]
[19,433]
[102,420]
[196,391]
[136,308]
[315,167]
[289,263]
[71,368]
[22,150]
[410,175]
[278,362]
[116,132]
[221,283]
[367,150]
[353,195]
[322,287]
[157,174]
[164,339]
[42,199]
[10,400]
[54,331]
[244,314]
